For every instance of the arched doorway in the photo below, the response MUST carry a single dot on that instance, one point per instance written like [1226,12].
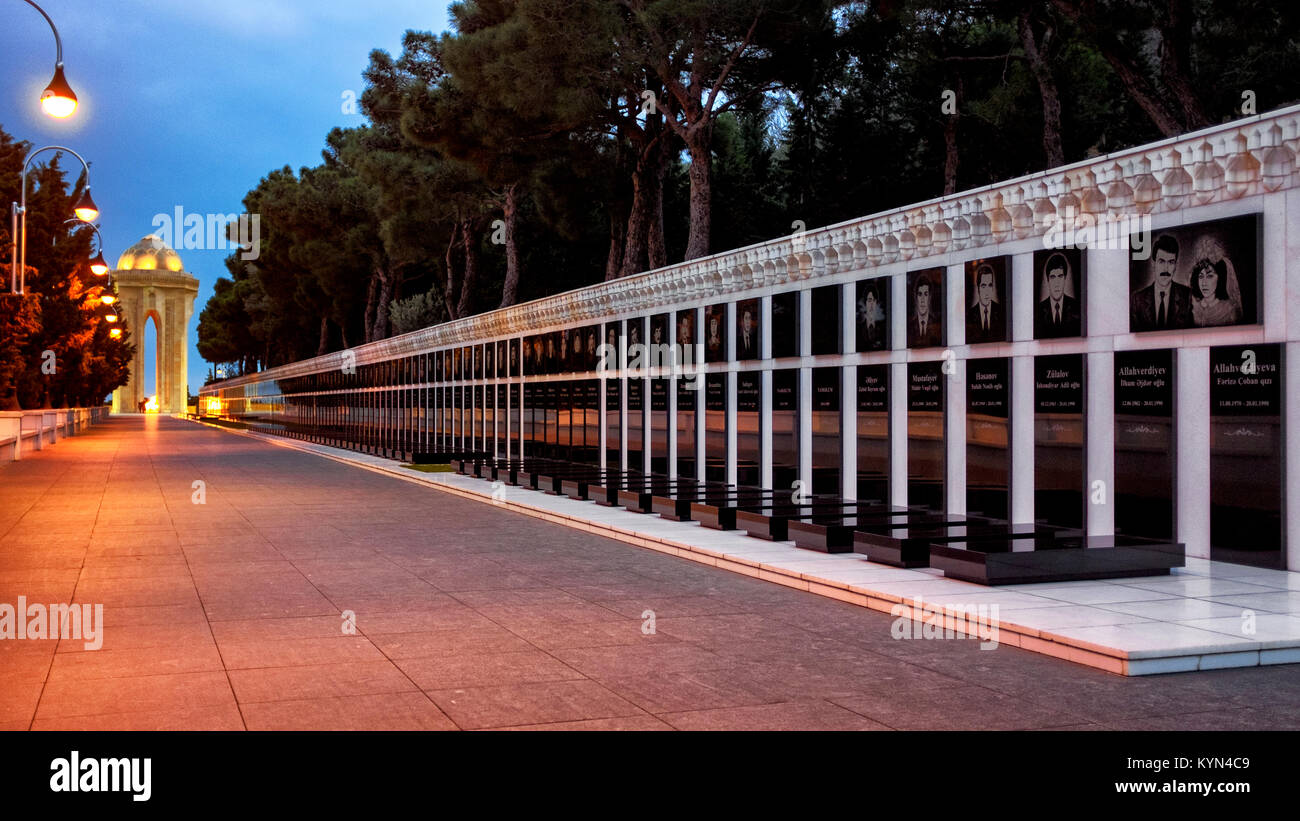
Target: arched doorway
[154,290]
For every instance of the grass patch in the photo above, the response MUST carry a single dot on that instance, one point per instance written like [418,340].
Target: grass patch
[430,468]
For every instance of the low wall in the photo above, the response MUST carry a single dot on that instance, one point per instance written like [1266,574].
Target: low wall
[22,432]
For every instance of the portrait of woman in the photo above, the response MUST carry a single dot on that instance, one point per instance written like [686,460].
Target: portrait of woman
[1216,297]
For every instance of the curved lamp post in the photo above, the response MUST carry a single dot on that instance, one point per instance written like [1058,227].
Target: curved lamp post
[98,265]
[85,209]
[57,100]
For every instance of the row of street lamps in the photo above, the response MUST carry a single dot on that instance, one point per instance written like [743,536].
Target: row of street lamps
[58,101]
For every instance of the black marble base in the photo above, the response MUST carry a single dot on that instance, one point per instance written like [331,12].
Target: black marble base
[720,514]
[836,535]
[575,489]
[907,544]
[1002,561]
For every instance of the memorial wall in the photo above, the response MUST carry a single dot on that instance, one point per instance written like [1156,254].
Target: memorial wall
[1105,347]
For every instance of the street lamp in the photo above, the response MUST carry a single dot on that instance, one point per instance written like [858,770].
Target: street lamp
[57,100]
[98,265]
[85,210]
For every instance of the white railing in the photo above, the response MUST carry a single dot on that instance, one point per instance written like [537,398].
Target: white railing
[1256,155]
[26,431]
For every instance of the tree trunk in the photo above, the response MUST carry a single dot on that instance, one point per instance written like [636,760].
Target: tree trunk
[450,301]
[323,345]
[634,244]
[1126,68]
[656,250]
[368,320]
[950,153]
[1052,147]
[1175,62]
[510,289]
[471,268]
[617,237]
[699,145]
[385,298]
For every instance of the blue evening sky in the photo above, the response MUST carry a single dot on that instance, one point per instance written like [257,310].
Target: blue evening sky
[188,104]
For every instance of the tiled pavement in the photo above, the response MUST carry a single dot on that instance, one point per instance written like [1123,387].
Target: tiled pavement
[228,615]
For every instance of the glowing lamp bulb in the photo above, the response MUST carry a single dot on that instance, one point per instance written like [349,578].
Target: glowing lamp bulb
[86,210]
[98,265]
[108,299]
[57,100]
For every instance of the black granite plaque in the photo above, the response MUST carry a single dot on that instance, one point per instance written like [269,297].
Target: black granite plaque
[715,333]
[785,428]
[872,315]
[826,313]
[925,308]
[1247,464]
[748,426]
[1059,302]
[926,435]
[873,433]
[1203,275]
[660,332]
[1059,440]
[1145,448]
[988,304]
[785,324]
[635,423]
[748,324]
[613,431]
[827,443]
[925,382]
[1058,384]
[715,427]
[988,453]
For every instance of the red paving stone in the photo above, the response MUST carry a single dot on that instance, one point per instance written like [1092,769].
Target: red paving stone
[231,615]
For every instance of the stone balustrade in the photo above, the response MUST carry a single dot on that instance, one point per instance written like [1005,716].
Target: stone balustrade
[30,430]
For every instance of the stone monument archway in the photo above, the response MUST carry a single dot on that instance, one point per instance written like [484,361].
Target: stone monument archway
[152,284]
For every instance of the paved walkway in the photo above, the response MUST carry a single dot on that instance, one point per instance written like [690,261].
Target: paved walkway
[230,615]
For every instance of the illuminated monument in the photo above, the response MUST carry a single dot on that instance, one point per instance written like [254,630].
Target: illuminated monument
[152,283]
